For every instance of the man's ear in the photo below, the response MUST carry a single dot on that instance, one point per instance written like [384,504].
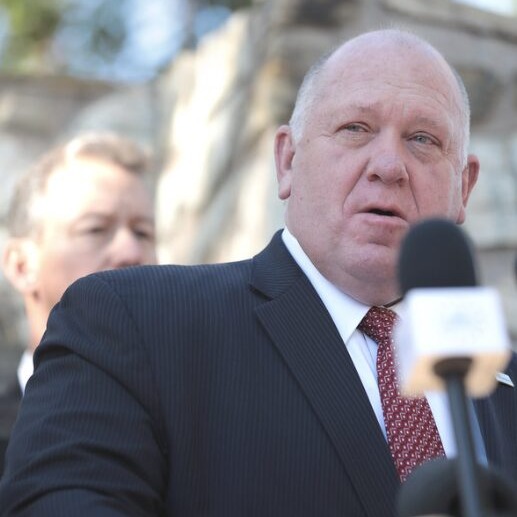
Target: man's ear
[284,154]
[469,177]
[20,262]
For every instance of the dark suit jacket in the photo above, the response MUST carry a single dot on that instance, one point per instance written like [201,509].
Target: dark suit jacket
[9,403]
[214,390]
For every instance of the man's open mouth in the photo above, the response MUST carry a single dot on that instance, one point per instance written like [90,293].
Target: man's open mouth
[378,211]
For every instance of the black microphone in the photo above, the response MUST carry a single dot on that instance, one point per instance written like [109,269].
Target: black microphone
[436,253]
[432,489]
[451,336]
[446,316]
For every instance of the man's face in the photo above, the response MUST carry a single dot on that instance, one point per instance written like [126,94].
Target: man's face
[381,149]
[95,216]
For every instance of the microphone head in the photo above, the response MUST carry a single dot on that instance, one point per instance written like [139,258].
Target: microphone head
[444,315]
[433,489]
[436,253]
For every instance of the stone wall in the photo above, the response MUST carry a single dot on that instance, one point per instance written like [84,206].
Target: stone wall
[210,118]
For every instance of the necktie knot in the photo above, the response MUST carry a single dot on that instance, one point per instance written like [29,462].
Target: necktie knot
[378,324]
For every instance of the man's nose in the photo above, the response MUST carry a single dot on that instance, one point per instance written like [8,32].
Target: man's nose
[128,249]
[387,161]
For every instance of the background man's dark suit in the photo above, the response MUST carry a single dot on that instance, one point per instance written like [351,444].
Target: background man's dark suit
[220,390]
[10,399]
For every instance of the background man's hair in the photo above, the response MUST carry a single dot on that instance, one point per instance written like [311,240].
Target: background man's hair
[107,147]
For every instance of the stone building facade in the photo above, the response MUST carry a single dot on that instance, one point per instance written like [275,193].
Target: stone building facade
[210,119]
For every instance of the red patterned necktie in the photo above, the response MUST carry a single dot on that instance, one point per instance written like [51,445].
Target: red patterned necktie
[410,427]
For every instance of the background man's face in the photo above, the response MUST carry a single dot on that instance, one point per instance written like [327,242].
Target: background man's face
[96,216]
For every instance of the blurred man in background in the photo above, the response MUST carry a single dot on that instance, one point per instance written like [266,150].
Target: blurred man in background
[85,206]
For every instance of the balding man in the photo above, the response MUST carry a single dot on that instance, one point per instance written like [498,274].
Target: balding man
[250,388]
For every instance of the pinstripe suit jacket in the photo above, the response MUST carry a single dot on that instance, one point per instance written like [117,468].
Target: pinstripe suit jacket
[9,402]
[215,390]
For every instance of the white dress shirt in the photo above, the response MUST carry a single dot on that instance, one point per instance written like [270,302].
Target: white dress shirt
[347,313]
[25,369]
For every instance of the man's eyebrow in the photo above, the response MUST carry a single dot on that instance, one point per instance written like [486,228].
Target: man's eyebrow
[438,123]
[424,120]
[109,213]
[92,214]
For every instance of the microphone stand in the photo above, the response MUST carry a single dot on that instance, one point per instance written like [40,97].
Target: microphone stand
[472,497]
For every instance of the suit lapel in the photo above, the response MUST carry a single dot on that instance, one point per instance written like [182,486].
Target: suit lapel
[302,330]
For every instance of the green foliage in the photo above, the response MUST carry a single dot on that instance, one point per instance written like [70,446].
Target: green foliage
[33,20]
[31,26]
[82,37]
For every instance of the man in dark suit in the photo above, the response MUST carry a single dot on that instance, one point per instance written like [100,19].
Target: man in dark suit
[246,389]
[83,207]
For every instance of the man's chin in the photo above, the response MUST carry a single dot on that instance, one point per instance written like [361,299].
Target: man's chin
[378,262]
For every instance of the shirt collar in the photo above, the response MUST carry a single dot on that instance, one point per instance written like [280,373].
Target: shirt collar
[25,369]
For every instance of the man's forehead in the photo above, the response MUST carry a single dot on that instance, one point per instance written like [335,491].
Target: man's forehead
[85,172]
[393,64]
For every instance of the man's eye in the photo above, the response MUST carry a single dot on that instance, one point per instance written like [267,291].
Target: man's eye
[97,229]
[423,139]
[144,234]
[94,230]
[355,128]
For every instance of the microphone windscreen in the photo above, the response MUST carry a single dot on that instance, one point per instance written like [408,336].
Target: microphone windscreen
[436,253]
[432,489]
